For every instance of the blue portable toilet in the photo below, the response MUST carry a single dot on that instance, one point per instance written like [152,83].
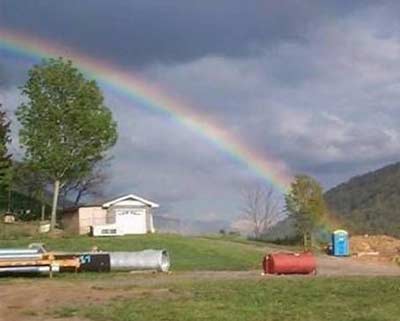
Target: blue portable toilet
[340,243]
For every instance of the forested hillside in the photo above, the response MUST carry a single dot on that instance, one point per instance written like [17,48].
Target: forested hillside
[369,203]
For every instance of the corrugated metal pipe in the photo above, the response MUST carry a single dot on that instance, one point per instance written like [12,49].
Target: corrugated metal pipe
[144,260]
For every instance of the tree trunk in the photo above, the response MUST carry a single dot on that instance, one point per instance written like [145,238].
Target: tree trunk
[63,198]
[78,197]
[256,232]
[42,216]
[305,241]
[9,200]
[54,206]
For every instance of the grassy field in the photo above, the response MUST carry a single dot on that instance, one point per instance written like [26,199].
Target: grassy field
[277,299]
[187,253]
[187,296]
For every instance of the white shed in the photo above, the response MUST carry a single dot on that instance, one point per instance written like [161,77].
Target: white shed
[124,215]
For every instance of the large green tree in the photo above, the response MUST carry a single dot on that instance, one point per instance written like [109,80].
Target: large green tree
[65,124]
[306,205]
[5,158]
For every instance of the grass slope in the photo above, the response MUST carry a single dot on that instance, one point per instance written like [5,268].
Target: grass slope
[187,253]
[278,299]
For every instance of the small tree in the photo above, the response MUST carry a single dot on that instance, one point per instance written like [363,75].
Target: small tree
[65,125]
[306,205]
[6,172]
[260,208]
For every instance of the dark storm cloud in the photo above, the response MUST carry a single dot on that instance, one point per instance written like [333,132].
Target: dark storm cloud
[3,77]
[12,73]
[327,107]
[147,31]
[178,162]
[314,84]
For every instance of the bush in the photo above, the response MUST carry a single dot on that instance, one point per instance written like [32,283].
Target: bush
[287,240]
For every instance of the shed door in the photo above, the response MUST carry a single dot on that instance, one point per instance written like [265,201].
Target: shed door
[131,220]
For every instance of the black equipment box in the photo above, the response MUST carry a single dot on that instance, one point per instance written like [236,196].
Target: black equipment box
[94,262]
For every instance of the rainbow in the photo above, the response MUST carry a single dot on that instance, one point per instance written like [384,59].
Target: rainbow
[144,94]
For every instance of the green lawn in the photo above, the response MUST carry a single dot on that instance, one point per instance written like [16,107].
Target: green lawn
[187,253]
[160,297]
[277,299]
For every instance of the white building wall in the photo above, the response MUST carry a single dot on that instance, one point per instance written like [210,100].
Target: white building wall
[131,220]
[91,216]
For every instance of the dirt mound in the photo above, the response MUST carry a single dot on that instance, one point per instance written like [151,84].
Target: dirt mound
[375,245]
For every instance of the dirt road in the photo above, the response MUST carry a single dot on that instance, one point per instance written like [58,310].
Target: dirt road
[335,266]
[27,299]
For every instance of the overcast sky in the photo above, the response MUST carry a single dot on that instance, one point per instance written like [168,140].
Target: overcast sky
[315,84]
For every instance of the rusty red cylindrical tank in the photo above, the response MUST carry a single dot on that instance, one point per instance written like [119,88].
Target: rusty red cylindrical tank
[290,263]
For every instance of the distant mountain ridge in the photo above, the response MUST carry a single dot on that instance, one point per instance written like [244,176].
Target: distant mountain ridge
[369,203]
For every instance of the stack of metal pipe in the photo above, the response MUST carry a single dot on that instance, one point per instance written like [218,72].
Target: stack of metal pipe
[30,260]
[35,259]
